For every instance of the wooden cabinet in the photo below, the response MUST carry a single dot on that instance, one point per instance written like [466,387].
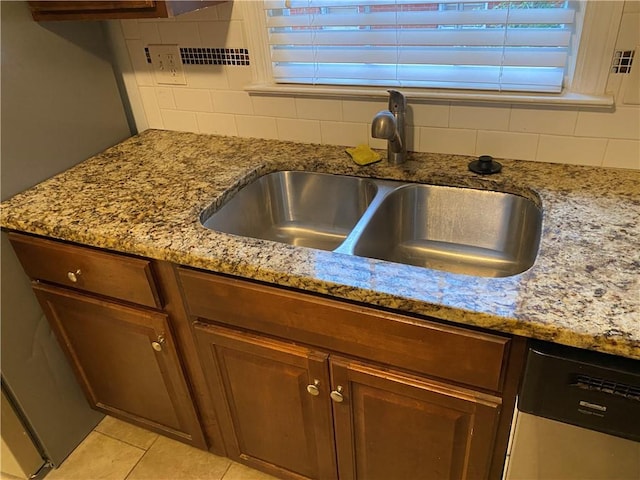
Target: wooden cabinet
[458,354]
[109,10]
[295,384]
[89,270]
[123,353]
[275,413]
[361,394]
[278,406]
[392,425]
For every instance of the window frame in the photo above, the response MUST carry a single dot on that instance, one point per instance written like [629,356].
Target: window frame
[586,76]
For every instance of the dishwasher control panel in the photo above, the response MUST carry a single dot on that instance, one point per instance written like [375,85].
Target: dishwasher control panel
[592,390]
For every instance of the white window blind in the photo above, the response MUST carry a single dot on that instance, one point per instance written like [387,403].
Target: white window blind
[519,46]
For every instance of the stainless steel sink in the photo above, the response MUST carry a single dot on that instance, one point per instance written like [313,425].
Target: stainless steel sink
[460,230]
[306,209]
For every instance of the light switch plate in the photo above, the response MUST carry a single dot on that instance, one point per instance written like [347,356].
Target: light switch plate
[167,65]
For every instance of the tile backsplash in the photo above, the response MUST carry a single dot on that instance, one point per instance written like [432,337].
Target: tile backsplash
[214,101]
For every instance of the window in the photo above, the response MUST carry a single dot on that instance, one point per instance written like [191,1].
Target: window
[504,46]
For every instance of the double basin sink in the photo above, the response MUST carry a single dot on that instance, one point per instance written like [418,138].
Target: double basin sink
[459,230]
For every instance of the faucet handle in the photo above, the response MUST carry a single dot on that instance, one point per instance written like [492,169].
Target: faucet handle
[397,101]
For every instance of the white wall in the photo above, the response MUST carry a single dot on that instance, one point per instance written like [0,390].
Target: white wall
[214,101]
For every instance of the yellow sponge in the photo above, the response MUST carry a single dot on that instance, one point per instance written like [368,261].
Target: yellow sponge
[363,155]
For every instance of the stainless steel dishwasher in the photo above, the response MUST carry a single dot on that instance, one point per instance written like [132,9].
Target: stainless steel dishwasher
[578,417]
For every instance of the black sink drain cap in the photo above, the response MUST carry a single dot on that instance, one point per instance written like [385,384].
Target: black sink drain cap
[485,165]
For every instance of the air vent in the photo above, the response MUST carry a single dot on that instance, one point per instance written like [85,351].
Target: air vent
[210,56]
[587,382]
[622,61]
[215,56]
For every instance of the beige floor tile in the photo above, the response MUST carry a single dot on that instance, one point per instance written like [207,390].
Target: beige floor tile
[6,476]
[98,457]
[171,460]
[238,471]
[136,436]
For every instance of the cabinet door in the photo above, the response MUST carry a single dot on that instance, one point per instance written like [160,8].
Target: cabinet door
[392,426]
[275,412]
[106,10]
[126,361]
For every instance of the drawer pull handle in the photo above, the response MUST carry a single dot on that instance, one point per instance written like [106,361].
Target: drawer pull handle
[313,389]
[336,395]
[157,345]
[73,276]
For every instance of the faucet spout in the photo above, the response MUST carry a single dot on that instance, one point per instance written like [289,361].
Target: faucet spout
[385,126]
[390,125]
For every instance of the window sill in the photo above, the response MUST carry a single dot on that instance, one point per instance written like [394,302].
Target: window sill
[564,99]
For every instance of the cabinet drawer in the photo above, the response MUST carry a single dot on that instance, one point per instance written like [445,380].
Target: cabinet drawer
[86,269]
[452,353]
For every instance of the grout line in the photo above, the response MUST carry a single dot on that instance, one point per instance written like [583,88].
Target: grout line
[127,443]
[575,123]
[144,452]
[134,467]
[227,470]
[604,155]
[96,429]
[141,457]
[535,155]
[475,144]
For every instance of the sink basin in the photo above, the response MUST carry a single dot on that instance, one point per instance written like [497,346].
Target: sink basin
[306,209]
[460,230]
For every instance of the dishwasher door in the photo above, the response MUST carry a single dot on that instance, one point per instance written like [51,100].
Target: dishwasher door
[578,417]
[544,449]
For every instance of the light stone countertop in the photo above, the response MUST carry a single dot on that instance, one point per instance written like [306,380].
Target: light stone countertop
[144,197]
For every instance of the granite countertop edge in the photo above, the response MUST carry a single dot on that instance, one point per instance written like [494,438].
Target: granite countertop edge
[144,197]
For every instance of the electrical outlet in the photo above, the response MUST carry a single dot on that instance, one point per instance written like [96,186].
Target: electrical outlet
[167,65]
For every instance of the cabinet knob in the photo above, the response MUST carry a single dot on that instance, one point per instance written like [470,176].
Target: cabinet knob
[157,345]
[313,389]
[336,395]
[73,276]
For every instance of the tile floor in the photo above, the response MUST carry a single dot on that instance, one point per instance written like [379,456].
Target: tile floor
[116,450]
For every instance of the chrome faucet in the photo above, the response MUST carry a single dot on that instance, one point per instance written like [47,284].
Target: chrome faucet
[390,124]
